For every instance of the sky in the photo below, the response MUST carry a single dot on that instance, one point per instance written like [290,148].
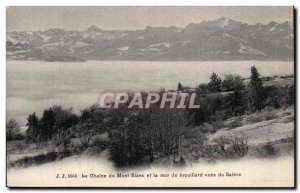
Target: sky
[32,18]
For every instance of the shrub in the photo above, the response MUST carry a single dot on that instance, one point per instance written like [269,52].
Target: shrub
[268,109]
[286,114]
[41,145]
[38,159]
[19,136]
[76,148]
[209,152]
[203,89]
[239,146]
[85,137]
[255,118]
[206,128]
[232,147]
[233,82]
[62,138]
[217,120]
[289,119]
[85,141]
[64,153]
[270,116]
[98,145]
[12,129]
[262,116]
[235,123]
[217,124]
[267,150]
[179,162]
[195,135]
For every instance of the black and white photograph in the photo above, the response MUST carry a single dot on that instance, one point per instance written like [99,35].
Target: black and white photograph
[150,96]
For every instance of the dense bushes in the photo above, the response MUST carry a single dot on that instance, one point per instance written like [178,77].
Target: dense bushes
[35,160]
[53,121]
[267,150]
[237,122]
[233,82]
[238,98]
[138,136]
[232,147]
[40,158]
[225,148]
[13,130]
[265,115]
[143,135]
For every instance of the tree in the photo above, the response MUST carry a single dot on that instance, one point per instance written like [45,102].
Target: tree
[137,137]
[54,121]
[47,124]
[236,102]
[203,89]
[12,129]
[32,132]
[233,82]
[255,90]
[291,94]
[179,87]
[64,118]
[215,83]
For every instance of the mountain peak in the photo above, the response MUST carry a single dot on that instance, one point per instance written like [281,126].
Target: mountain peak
[222,22]
[288,24]
[54,31]
[227,39]
[224,19]
[272,23]
[93,28]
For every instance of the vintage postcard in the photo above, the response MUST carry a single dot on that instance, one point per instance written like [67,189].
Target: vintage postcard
[149,97]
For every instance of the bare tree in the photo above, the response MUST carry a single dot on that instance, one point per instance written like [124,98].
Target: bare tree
[12,129]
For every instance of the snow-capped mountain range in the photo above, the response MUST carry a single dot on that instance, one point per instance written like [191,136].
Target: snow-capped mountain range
[222,39]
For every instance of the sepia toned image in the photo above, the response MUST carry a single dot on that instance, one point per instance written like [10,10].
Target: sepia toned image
[119,97]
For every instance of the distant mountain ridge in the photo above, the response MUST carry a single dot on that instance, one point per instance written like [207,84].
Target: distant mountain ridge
[221,39]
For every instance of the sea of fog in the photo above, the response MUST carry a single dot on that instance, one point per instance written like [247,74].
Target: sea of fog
[33,86]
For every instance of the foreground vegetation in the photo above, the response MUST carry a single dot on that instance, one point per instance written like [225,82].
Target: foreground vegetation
[169,136]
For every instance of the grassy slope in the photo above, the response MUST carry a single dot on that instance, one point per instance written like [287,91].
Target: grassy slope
[265,131]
